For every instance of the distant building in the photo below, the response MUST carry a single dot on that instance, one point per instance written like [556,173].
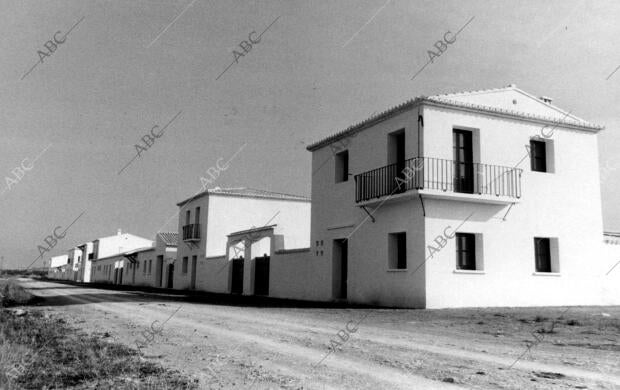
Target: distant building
[207,225]
[146,266]
[79,258]
[57,266]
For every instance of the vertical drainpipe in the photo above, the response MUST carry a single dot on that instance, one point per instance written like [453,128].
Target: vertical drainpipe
[420,119]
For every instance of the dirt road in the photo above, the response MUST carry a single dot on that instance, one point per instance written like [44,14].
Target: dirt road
[237,346]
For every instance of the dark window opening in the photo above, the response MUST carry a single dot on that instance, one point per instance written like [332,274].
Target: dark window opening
[342,166]
[466,251]
[397,251]
[538,156]
[542,249]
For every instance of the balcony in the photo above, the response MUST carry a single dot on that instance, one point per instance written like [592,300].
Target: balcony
[191,232]
[440,178]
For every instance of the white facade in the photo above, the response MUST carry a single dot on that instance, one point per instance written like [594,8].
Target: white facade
[106,247]
[145,266]
[201,259]
[57,266]
[499,199]
[57,261]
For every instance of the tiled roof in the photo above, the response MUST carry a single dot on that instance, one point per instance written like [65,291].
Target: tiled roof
[169,238]
[247,192]
[612,238]
[569,119]
[444,101]
[129,252]
[251,230]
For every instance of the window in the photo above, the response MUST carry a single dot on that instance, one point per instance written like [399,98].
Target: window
[184,269]
[197,216]
[187,217]
[538,156]
[466,251]
[542,250]
[90,256]
[342,166]
[397,250]
[144,267]
[150,264]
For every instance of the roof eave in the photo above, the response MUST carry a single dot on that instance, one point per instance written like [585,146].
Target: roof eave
[410,104]
[456,105]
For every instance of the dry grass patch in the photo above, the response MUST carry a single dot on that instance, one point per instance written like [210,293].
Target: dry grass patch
[37,351]
[12,294]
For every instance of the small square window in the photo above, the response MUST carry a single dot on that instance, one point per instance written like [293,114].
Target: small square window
[397,250]
[466,251]
[342,166]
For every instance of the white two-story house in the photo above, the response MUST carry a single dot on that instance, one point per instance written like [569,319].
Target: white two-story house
[484,198]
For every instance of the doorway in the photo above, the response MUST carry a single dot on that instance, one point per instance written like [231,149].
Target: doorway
[159,268]
[396,160]
[237,276]
[463,161]
[192,284]
[261,276]
[340,269]
[170,275]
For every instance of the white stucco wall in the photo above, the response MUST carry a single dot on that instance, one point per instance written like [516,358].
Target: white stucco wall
[565,205]
[299,275]
[335,216]
[120,243]
[57,261]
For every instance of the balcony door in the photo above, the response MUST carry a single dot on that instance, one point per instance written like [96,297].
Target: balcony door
[396,159]
[463,161]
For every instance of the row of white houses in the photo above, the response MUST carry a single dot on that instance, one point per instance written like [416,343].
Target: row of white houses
[483,198]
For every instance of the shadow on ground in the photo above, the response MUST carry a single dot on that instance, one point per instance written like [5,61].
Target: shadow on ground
[119,293]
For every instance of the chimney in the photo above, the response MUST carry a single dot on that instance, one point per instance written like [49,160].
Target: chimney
[546,99]
[118,232]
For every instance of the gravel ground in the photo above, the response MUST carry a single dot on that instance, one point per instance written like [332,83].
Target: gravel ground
[250,347]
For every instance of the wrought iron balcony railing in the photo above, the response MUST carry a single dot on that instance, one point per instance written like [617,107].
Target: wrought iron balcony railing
[191,232]
[438,174]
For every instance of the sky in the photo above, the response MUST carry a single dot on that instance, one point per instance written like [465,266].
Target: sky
[319,67]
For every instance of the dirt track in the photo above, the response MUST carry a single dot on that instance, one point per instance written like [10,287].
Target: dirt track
[250,347]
